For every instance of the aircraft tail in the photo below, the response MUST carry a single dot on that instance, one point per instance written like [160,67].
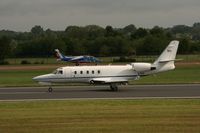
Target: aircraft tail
[166,60]
[58,54]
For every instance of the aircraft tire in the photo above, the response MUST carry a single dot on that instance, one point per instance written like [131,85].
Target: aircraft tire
[50,89]
[91,82]
[114,87]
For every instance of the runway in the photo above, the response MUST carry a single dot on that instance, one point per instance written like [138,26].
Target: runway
[100,92]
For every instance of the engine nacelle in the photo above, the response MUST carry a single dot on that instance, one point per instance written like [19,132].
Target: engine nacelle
[142,67]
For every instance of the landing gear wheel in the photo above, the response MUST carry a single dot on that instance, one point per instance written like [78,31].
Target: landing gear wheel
[113,87]
[50,89]
[91,82]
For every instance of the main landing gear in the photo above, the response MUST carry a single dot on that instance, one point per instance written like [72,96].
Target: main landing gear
[113,87]
[50,89]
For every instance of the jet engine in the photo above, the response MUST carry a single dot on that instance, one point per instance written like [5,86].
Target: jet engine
[142,67]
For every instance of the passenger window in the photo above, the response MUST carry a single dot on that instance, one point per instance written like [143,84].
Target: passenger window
[75,72]
[87,72]
[60,72]
[99,71]
[81,72]
[92,72]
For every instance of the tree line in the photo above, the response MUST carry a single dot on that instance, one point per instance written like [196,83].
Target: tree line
[98,41]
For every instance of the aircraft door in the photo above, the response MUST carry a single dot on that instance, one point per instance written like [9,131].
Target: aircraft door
[68,73]
[73,73]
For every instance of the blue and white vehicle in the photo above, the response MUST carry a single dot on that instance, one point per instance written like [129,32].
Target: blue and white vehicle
[77,59]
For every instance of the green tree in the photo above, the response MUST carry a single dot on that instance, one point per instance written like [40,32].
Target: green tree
[140,33]
[181,29]
[37,30]
[109,31]
[104,51]
[75,32]
[130,29]
[4,47]
[158,31]
[94,31]
[196,31]
[195,47]
[151,45]
[184,46]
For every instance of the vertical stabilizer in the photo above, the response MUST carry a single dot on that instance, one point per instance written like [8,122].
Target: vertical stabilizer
[169,54]
[165,61]
[58,54]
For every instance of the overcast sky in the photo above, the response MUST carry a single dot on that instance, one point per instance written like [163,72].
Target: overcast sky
[22,15]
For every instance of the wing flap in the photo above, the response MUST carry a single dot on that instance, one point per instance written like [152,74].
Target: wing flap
[77,58]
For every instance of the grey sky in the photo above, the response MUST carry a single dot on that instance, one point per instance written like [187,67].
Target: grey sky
[22,15]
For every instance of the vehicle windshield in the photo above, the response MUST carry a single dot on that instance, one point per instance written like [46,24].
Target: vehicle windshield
[58,72]
[54,72]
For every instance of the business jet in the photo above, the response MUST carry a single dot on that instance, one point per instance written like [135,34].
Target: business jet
[112,75]
[76,59]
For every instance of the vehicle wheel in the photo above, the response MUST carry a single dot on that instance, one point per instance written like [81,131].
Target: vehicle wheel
[50,89]
[114,87]
[91,82]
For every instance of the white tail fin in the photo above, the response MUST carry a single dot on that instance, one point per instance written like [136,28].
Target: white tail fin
[169,54]
[166,60]
[58,54]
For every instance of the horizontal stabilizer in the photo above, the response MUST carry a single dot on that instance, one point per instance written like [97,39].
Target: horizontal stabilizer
[169,54]
[164,61]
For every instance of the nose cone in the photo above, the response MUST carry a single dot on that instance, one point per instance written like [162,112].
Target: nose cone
[37,78]
[42,78]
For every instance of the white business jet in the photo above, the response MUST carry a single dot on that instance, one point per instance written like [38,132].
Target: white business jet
[112,75]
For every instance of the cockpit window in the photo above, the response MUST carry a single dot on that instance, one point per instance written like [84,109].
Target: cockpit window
[54,72]
[58,72]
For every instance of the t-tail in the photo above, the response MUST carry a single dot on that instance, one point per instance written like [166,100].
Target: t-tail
[59,55]
[166,60]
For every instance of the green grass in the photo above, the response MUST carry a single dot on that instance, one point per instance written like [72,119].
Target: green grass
[20,77]
[182,74]
[147,58]
[101,116]
[17,61]
[189,58]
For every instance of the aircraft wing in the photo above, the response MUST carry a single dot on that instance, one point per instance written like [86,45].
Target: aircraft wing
[109,80]
[77,58]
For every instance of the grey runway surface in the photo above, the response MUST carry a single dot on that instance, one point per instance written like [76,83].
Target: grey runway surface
[101,92]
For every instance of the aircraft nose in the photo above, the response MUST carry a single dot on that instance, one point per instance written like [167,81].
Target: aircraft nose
[42,78]
[37,78]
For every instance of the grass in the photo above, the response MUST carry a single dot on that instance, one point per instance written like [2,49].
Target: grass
[101,116]
[17,61]
[188,74]
[20,77]
[147,58]
[182,74]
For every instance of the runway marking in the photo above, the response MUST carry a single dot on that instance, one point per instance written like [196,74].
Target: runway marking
[93,86]
[6,93]
[84,99]
[83,93]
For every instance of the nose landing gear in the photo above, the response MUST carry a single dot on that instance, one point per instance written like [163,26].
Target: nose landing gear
[114,87]
[50,89]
